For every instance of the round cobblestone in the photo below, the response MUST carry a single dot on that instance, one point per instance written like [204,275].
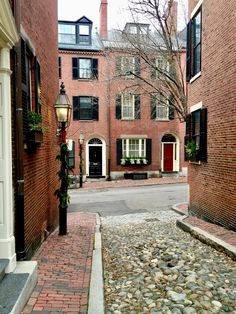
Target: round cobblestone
[151,266]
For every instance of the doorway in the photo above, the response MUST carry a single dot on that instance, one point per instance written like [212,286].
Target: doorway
[170,153]
[96,158]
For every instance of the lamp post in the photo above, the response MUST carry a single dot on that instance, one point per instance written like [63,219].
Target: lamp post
[63,113]
[81,141]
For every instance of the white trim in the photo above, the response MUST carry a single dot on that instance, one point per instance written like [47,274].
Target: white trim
[196,8]
[103,145]
[196,107]
[138,136]
[195,77]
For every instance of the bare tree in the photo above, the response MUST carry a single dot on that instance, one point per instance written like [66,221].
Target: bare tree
[160,49]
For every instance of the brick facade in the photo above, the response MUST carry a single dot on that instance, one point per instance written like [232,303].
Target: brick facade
[39,28]
[109,128]
[212,183]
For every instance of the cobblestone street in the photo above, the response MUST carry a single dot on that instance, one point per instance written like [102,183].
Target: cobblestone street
[151,266]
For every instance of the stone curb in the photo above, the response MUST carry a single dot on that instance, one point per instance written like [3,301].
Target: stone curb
[177,210]
[207,238]
[96,291]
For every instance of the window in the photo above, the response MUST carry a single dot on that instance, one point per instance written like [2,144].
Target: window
[71,157]
[84,34]
[196,135]
[161,107]
[194,35]
[128,66]
[133,148]
[31,85]
[84,68]
[159,68]
[128,106]
[67,33]
[59,67]
[85,108]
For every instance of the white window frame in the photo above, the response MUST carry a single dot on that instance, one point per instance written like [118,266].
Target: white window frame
[131,117]
[165,66]
[162,106]
[126,147]
[88,70]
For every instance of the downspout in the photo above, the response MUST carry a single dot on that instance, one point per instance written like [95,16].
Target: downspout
[108,118]
[19,155]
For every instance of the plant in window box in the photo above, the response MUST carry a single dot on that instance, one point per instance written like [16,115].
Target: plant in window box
[36,129]
[123,161]
[192,150]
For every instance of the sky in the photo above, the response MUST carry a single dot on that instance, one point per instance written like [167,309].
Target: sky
[118,12]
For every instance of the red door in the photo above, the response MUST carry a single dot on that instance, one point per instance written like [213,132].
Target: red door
[168,157]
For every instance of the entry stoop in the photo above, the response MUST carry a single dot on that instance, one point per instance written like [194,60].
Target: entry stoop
[16,287]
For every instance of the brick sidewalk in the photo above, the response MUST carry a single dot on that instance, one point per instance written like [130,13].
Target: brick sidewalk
[64,268]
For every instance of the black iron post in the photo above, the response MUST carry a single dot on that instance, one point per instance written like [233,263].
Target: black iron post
[64,175]
[80,165]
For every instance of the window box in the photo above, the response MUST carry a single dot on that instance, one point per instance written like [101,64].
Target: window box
[35,137]
[133,161]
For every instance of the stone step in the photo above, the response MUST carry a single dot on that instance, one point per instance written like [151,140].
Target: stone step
[16,287]
[3,265]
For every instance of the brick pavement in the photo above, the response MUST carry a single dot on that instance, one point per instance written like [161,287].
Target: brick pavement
[64,268]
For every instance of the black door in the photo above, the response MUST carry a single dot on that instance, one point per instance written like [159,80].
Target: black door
[95,161]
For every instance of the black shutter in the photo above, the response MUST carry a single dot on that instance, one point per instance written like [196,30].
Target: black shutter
[153,107]
[76,108]
[75,68]
[24,89]
[37,86]
[95,108]
[203,135]
[137,108]
[188,135]
[153,69]
[118,66]
[188,53]
[72,156]
[95,69]
[149,150]
[59,67]
[137,69]
[171,108]
[119,150]
[118,107]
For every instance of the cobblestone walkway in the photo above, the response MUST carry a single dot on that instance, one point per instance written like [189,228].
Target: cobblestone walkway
[151,266]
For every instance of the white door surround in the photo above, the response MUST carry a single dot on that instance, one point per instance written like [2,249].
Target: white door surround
[8,37]
[96,141]
[176,151]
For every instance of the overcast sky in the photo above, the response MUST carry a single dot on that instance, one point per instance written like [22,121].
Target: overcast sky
[118,13]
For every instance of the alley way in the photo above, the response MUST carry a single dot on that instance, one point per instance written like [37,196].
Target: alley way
[151,266]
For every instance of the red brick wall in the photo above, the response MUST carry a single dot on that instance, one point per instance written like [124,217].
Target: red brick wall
[39,21]
[212,184]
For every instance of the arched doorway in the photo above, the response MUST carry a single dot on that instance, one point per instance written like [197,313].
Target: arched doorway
[169,153]
[96,158]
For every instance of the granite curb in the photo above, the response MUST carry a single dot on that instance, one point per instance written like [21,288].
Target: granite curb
[207,238]
[96,291]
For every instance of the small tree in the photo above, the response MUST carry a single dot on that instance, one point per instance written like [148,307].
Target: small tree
[161,51]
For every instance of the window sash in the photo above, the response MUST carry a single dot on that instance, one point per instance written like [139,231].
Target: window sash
[133,148]
[85,68]
[66,34]
[127,65]
[162,108]
[86,108]
[127,106]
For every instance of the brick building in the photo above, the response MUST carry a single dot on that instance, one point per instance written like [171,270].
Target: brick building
[125,131]
[28,84]
[211,99]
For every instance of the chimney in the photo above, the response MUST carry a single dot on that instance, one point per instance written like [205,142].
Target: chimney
[173,15]
[103,19]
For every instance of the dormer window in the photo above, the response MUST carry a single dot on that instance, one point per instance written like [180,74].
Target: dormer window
[84,34]
[67,33]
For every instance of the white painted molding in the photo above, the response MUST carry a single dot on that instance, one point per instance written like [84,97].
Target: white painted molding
[196,8]
[196,107]
[195,77]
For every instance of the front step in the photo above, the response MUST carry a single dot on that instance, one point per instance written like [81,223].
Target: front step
[170,174]
[16,287]
[3,266]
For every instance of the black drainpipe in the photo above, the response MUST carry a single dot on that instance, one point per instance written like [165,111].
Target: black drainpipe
[19,147]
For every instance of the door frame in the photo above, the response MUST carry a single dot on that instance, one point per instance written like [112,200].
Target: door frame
[103,145]
[176,153]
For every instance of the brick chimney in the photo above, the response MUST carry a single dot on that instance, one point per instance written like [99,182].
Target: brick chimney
[103,19]
[173,16]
